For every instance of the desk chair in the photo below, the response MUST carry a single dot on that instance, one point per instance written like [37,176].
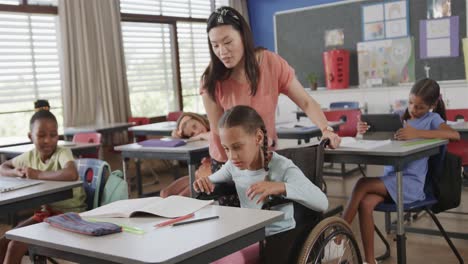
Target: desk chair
[92,137]
[173,116]
[344,104]
[347,129]
[309,241]
[138,121]
[435,170]
[93,174]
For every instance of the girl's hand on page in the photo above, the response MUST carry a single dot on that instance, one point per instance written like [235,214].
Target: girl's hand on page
[406,133]
[335,140]
[203,185]
[265,189]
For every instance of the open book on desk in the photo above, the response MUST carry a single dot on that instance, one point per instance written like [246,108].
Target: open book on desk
[172,206]
[351,142]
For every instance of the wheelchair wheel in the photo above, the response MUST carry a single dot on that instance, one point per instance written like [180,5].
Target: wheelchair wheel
[321,247]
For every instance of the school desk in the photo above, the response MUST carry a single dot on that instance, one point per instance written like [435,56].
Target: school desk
[302,133]
[76,148]
[201,242]
[34,196]
[156,129]
[397,155]
[13,141]
[108,128]
[462,128]
[193,152]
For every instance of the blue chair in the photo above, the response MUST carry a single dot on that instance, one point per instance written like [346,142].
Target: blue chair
[93,174]
[348,105]
[434,170]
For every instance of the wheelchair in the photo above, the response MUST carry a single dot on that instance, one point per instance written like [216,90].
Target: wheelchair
[316,235]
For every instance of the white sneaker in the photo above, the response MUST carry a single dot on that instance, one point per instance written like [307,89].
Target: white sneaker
[333,251]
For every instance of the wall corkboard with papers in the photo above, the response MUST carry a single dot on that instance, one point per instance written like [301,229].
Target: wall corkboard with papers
[299,38]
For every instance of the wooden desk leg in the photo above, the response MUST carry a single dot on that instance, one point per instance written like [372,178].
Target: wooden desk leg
[401,239]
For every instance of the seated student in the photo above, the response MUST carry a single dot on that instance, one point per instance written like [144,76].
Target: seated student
[193,126]
[41,105]
[424,118]
[46,161]
[258,172]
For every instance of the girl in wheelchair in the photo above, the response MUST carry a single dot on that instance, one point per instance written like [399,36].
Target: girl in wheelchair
[424,118]
[257,172]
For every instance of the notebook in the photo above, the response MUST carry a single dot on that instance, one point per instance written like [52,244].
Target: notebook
[172,206]
[162,143]
[8,184]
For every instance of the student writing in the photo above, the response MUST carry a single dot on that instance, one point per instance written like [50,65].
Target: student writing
[424,118]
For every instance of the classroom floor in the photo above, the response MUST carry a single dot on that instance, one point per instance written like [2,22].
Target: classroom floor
[420,248]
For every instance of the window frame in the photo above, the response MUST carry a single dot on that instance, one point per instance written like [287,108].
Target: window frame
[172,21]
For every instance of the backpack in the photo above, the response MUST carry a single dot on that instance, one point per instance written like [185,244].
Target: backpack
[116,188]
[446,181]
[92,172]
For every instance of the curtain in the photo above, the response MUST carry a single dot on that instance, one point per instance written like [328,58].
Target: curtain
[94,80]
[241,6]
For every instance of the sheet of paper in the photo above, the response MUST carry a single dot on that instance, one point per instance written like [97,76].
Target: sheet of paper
[438,28]
[350,142]
[372,13]
[395,10]
[176,206]
[438,47]
[396,28]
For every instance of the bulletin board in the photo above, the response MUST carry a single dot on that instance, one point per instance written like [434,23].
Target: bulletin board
[299,38]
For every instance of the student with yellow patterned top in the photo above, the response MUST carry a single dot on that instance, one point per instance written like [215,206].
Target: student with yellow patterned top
[46,161]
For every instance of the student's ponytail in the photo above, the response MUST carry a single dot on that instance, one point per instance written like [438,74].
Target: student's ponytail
[265,148]
[440,109]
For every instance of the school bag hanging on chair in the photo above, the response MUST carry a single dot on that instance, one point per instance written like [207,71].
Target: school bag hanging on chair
[447,182]
[116,188]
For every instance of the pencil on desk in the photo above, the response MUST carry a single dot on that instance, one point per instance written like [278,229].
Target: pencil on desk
[196,220]
[175,220]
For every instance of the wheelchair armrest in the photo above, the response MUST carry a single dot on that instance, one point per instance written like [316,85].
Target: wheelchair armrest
[274,201]
[221,189]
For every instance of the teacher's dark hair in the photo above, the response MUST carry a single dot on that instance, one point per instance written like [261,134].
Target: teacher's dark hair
[216,71]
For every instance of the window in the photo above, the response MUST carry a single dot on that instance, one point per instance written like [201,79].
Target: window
[29,68]
[194,57]
[30,2]
[148,57]
[150,53]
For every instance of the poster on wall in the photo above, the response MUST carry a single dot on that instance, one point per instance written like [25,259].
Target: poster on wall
[439,38]
[386,62]
[385,20]
[334,37]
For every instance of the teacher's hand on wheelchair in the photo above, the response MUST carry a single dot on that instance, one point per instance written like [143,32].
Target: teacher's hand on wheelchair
[335,140]
[203,185]
[265,189]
